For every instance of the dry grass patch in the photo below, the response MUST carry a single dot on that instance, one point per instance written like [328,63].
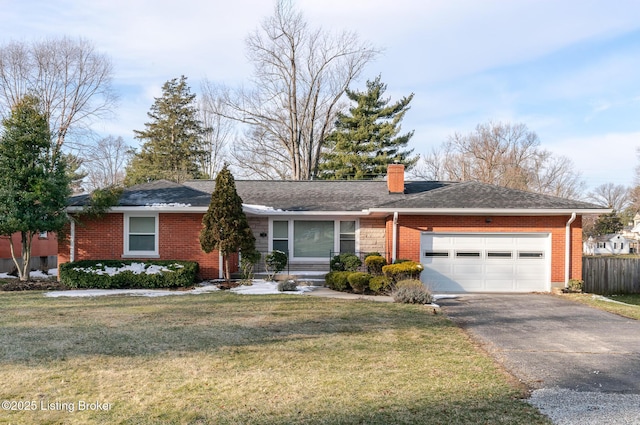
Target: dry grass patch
[626,305]
[230,359]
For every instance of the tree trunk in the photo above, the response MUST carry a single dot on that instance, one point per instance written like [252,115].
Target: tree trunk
[23,267]
[27,237]
[227,274]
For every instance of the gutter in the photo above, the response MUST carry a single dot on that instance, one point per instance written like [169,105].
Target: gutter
[72,242]
[567,249]
[394,238]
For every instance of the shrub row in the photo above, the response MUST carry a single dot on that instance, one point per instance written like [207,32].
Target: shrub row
[115,274]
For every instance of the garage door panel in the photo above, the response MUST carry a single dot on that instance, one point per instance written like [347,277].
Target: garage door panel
[486,262]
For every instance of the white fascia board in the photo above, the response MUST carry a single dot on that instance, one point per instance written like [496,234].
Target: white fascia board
[488,211]
[167,209]
[249,210]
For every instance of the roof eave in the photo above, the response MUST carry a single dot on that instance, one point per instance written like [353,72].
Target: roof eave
[489,211]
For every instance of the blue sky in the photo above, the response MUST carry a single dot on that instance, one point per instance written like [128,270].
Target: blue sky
[568,69]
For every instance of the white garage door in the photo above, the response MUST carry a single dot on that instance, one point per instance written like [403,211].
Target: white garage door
[484,262]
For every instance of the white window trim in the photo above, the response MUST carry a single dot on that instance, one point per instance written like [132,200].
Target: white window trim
[139,254]
[336,236]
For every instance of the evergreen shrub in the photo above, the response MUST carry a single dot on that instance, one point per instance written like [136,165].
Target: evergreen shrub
[275,262]
[380,284]
[345,262]
[116,274]
[404,270]
[338,280]
[359,281]
[375,263]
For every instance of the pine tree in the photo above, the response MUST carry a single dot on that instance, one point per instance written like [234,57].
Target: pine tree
[366,140]
[608,224]
[173,140]
[34,182]
[225,226]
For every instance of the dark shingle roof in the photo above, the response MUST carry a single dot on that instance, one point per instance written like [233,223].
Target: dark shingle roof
[482,195]
[352,195]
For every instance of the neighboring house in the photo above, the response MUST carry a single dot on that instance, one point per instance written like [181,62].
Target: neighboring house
[470,236]
[612,244]
[632,233]
[44,251]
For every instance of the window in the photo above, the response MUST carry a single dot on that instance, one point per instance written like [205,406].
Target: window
[468,254]
[499,254]
[434,254]
[313,239]
[43,235]
[348,236]
[141,235]
[534,254]
[281,236]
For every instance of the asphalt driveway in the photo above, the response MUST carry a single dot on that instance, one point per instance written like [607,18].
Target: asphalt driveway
[548,342]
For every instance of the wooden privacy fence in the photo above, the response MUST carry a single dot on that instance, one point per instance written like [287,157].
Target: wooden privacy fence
[611,275]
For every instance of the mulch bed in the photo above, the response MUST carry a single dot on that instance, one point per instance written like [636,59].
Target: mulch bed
[33,285]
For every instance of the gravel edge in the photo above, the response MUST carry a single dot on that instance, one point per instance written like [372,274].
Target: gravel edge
[568,407]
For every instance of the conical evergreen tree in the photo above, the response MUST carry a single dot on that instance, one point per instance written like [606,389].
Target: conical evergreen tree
[366,140]
[225,226]
[34,183]
[173,140]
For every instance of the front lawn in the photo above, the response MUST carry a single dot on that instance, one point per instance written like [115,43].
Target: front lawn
[626,305]
[223,358]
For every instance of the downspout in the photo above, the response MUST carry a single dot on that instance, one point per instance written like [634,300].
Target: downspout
[567,250]
[394,238]
[72,242]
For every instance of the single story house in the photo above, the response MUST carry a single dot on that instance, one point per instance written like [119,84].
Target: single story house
[471,237]
[611,244]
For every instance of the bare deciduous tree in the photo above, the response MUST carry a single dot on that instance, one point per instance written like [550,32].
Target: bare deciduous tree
[105,162]
[71,78]
[611,195]
[502,154]
[213,114]
[300,75]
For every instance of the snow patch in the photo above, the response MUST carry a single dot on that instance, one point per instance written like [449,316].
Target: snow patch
[259,208]
[167,205]
[263,287]
[135,268]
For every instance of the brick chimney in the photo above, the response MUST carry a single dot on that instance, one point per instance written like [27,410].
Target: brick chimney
[395,178]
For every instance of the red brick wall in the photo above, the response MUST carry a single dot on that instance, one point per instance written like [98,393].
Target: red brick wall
[39,247]
[102,239]
[410,228]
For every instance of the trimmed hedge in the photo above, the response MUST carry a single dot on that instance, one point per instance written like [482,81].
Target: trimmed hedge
[338,281]
[105,274]
[404,270]
[359,281]
[375,263]
[380,284]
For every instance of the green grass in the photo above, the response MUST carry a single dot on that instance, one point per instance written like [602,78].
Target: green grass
[630,308]
[222,358]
